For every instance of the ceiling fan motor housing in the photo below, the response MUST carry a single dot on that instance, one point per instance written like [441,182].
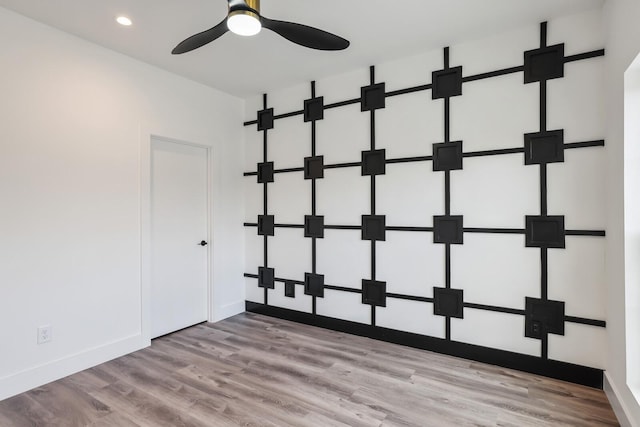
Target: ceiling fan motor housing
[244,7]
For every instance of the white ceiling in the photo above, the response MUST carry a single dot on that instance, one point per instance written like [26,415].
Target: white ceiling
[379,30]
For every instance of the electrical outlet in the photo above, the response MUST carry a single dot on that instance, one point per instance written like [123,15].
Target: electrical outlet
[44,334]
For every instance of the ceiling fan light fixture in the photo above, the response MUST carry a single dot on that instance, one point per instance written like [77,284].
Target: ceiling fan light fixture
[244,23]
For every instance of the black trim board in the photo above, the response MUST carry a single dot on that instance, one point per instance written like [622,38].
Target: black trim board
[583,375]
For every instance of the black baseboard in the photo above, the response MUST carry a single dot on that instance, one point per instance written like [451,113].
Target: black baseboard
[577,374]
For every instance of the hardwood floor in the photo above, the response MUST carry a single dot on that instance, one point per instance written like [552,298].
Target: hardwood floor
[252,370]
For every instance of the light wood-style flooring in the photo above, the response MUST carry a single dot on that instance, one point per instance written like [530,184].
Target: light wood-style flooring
[252,370]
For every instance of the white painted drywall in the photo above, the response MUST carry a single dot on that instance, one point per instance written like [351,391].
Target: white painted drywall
[623,45]
[72,118]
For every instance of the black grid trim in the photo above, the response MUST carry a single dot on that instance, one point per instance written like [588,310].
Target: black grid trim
[540,148]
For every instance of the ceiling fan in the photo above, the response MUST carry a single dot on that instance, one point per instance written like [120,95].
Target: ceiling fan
[244,19]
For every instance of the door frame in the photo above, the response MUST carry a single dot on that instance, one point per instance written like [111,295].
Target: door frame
[145,227]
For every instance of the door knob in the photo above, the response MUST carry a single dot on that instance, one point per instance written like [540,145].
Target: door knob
[203,243]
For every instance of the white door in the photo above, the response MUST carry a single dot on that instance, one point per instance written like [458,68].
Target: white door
[179,236]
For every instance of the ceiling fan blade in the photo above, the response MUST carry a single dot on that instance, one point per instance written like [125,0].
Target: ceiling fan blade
[201,39]
[305,35]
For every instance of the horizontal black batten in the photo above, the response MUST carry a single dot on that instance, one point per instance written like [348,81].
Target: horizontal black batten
[593,233]
[494,152]
[343,289]
[586,55]
[590,377]
[408,90]
[598,233]
[301,169]
[497,152]
[403,228]
[342,227]
[342,103]
[583,321]
[571,319]
[491,74]
[410,159]
[409,297]
[585,144]
[343,165]
[495,230]
[497,73]
[493,308]
[291,114]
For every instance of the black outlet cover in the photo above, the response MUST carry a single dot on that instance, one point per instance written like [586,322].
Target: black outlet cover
[374,162]
[374,293]
[544,231]
[446,83]
[289,289]
[314,167]
[372,97]
[374,227]
[544,64]
[265,119]
[544,147]
[448,302]
[265,172]
[448,229]
[266,277]
[314,284]
[314,226]
[543,317]
[266,225]
[314,109]
[447,156]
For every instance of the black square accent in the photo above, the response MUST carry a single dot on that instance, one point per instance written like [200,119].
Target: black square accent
[447,156]
[374,293]
[448,302]
[314,284]
[265,172]
[544,64]
[448,229]
[544,147]
[374,162]
[373,227]
[314,226]
[266,225]
[372,97]
[314,167]
[289,289]
[314,109]
[543,317]
[446,83]
[265,119]
[544,231]
[266,277]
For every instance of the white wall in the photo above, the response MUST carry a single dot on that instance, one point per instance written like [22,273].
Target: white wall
[490,192]
[75,117]
[623,45]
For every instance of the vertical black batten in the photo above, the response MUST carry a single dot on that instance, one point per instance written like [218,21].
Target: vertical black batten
[447,194]
[544,268]
[372,80]
[264,195]
[313,200]
[543,189]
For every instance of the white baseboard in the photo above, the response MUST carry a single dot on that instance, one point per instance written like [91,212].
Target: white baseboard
[618,405]
[221,313]
[51,371]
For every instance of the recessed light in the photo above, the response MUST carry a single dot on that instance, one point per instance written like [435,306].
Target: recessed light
[123,20]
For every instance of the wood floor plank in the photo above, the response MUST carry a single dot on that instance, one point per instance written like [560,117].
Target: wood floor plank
[252,370]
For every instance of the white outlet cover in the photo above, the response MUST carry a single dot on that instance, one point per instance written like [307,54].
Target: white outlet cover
[44,334]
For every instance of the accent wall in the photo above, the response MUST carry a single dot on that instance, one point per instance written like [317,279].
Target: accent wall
[453,200]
